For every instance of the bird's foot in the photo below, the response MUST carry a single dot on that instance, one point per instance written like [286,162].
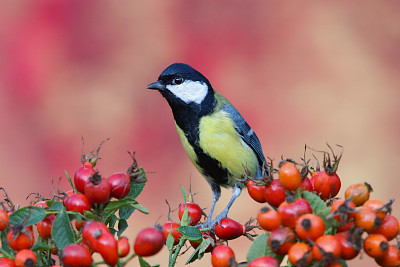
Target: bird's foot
[207,224]
[218,219]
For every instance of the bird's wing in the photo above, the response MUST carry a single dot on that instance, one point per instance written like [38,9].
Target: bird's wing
[245,131]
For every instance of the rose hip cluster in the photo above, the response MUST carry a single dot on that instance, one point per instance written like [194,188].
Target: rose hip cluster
[301,226]
[81,223]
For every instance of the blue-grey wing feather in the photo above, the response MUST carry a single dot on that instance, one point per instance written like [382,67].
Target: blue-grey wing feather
[245,131]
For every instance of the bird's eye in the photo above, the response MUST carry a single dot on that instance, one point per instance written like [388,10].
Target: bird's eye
[177,80]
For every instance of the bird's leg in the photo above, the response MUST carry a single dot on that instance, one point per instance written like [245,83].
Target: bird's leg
[216,191]
[236,190]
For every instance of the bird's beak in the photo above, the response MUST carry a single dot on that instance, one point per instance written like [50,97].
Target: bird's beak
[156,86]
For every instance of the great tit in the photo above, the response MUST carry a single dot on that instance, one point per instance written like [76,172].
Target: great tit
[218,141]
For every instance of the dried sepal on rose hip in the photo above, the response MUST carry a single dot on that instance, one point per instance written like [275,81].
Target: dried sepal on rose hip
[281,239]
[136,174]
[300,254]
[26,258]
[376,246]
[20,237]
[97,189]
[256,187]
[358,193]
[342,210]
[228,229]
[327,183]
[87,169]
[326,249]
[350,243]
[309,227]
[292,209]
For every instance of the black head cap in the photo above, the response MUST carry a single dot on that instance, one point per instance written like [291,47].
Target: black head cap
[184,71]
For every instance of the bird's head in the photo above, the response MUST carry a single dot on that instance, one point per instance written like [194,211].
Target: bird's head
[180,83]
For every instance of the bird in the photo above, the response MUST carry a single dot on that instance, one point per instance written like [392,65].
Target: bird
[218,141]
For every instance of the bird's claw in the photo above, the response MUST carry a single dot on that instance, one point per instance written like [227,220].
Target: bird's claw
[218,219]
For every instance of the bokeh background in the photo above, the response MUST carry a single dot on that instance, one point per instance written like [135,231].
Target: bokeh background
[306,72]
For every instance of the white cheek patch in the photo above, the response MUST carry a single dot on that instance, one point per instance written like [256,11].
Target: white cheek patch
[189,91]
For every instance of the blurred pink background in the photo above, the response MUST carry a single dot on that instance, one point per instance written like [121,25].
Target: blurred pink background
[301,73]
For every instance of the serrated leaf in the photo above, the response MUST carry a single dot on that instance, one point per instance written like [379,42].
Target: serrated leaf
[141,208]
[122,225]
[61,230]
[41,246]
[112,230]
[70,181]
[170,240]
[194,256]
[320,208]
[204,246]
[117,204]
[111,222]
[136,188]
[126,212]
[316,203]
[4,243]
[190,233]
[33,215]
[185,217]
[260,248]
[55,206]
[184,194]
[143,263]
[90,216]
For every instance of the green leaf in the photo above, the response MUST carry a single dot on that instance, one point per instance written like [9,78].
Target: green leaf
[55,206]
[143,263]
[184,194]
[141,208]
[126,212]
[61,231]
[113,231]
[317,204]
[320,208]
[33,215]
[137,188]
[185,217]
[194,256]
[204,245]
[260,248]
[115,205]
[122,225]
[111,222]
[190,233]
[342,262]
[170,240]
[4,243]
[89,215]
[41,246]
[70,181]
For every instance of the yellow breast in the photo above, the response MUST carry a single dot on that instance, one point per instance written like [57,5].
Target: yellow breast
[219,139]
